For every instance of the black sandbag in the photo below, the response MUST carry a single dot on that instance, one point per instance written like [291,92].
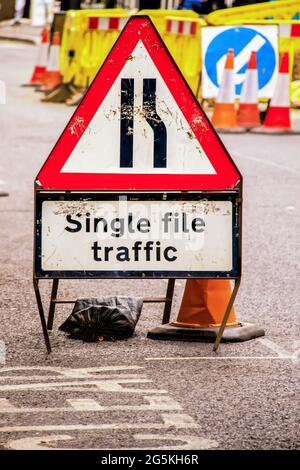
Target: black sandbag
[108,318]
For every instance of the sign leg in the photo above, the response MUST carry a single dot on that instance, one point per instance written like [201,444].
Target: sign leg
[169,300]
[227,312]
[41,312]
[52,304]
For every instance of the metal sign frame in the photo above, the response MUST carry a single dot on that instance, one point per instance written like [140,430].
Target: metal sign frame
[40,195]
[228,189]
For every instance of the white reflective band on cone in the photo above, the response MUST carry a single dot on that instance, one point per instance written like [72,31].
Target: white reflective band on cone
[42,55]
[250,87]
[227,89]
[281,95]
[53,63]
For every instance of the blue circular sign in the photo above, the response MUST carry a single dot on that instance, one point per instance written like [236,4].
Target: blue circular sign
[242,40]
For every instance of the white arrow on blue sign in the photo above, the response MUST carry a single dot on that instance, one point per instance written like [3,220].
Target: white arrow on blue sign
[243,39]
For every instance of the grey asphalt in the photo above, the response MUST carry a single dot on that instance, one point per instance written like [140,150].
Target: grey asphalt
[243,397]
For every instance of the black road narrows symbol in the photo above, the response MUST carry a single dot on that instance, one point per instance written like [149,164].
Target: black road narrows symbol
[152,118]
[155,122]
[126,141]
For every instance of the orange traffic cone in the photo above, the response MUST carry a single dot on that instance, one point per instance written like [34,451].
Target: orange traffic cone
[278,115]
[201,313]
[204,303]
[224,116]
[41,62]
[52,76]
[248,113]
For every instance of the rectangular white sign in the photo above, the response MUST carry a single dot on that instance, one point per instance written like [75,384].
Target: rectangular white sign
[137,236]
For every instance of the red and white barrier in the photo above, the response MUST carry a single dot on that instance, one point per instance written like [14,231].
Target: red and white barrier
[187,28]
[289,30]
[106,24]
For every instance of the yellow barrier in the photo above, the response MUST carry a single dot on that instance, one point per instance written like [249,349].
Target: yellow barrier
[159,17]
[295,93]
[283,9]
[70,51]
[182,37]
[79,56]
[88,37]
[101,32]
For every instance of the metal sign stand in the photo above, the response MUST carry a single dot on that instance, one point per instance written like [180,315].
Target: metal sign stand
[54,301]
[47,323]
[166,313]
[213,177]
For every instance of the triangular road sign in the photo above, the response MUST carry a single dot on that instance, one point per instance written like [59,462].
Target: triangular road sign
[139,127]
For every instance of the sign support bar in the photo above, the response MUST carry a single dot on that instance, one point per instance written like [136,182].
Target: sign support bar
[54,300]
[41,312]
[237,283]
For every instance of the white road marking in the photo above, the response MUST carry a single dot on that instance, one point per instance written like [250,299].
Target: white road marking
[282,354]
[178,421]
[155,403]
[95,379]
[105,386]
[266,162]
[68,372]
[42,378]
[188,443]
[37,443]
[275,348]
[216,358]
[84,404]
[6,406]
[159,403]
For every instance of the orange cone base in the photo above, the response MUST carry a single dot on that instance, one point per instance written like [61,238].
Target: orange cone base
[37,77]
[224,116]
[235,334]
[274,131]
[278,118]
[277,121]
[201,313]
[224,119]
[248,116]
[204,303]
[51,80]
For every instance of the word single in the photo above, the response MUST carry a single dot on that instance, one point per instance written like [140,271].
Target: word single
[170,222]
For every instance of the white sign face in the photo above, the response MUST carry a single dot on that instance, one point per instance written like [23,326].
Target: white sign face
[136,236]
[184,154]
[215,42]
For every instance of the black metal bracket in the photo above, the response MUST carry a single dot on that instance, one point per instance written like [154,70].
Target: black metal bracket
[54,300]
